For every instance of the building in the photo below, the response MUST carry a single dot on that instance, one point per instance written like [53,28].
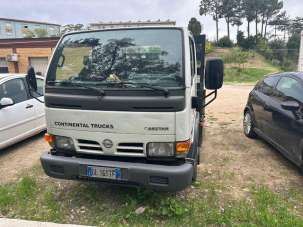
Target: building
[15,28]
[107,25]
[16,55]
[300,66]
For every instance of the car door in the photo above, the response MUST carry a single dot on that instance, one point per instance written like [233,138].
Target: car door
[16,121]
[288,125]
[261,99]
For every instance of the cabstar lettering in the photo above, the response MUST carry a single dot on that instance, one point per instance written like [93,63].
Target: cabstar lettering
[82,125]
[156,128]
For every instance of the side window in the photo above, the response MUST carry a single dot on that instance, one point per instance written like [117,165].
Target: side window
[15,89]
[268,84]
[290,88]
[192,57]
[40,84]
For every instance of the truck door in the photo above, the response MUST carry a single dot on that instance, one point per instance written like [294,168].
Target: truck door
[194,79]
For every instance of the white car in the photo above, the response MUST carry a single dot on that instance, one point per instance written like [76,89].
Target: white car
[21,115]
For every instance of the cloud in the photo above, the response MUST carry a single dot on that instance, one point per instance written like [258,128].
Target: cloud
[88,11]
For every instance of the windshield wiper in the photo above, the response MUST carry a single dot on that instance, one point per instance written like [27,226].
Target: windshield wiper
[153,87]
[76,84]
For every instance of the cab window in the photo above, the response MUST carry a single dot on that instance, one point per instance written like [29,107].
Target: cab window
[192,57]
[290,88]
[14,89]
[39,92]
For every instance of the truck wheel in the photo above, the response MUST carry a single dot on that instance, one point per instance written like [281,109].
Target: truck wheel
[196,163]
[248,125]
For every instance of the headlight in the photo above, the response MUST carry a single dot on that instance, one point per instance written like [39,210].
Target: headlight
[161,149]
[65,143]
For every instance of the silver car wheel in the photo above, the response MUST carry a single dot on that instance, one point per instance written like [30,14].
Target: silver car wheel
[247,124]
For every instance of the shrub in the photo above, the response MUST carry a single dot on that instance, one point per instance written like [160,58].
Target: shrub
[209,47]
[225,42]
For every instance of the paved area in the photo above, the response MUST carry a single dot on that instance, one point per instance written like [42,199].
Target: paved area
[4,222]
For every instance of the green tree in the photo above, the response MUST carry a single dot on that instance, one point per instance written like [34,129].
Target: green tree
[195,26]
[71,27]
[248,13]
[40,32]
[213,8]
[231,11]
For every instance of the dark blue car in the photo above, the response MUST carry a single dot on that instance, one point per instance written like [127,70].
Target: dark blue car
[274,112]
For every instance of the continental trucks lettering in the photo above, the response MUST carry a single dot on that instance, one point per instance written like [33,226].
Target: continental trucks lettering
[82,125]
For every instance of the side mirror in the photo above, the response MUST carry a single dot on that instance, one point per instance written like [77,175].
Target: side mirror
[290,105]
[5,102]
[214,73]
[31,79]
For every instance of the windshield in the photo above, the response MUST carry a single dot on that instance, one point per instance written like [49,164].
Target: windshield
[103,58]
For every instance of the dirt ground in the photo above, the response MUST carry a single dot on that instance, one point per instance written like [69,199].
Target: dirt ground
[20,157]
[227,155]
[233,159]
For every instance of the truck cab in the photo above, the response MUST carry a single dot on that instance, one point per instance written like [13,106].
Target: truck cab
[126,106]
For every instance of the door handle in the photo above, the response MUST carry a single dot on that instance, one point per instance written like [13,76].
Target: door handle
[28,106]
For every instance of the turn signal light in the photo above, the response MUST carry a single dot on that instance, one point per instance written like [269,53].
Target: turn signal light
[49,138]
[183,147]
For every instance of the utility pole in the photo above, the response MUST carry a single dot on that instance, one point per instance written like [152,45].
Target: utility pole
[300,65]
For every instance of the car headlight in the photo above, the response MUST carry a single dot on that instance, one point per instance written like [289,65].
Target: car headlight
[65,143]
[161,149]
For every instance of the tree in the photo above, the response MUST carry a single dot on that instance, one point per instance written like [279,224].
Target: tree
[248,13]
[269,9]
[213,8]
[71,27]
[231,11]
[195,26]
[40,32]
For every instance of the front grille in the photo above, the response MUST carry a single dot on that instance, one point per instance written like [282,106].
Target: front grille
[133,148]
[89,146]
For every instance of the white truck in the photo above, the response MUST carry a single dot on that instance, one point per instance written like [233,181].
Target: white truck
[126,106]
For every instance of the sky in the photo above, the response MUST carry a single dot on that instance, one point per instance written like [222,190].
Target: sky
[89,11]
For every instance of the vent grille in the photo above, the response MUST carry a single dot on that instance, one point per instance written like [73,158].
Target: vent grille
[134,148]
[89,145]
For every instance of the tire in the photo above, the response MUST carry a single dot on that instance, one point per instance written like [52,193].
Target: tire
[248,125]
[195,165]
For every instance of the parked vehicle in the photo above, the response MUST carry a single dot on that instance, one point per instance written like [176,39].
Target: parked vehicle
[21,115]
[126,106]
[274,112]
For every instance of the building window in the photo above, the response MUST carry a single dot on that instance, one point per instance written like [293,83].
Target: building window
[3,65]
[8,28]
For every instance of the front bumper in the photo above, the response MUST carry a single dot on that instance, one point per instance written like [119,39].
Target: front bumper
[157,177]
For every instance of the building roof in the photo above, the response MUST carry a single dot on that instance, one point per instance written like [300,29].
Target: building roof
[28,21]
[133,23]
[32,42]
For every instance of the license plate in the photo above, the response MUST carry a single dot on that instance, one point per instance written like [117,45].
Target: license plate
[103,172]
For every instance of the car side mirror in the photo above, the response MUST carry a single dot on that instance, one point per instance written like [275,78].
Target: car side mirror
[214,72]
[5,102]
[31,79]
[290,105]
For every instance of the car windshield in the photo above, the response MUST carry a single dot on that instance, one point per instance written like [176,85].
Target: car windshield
[103,58]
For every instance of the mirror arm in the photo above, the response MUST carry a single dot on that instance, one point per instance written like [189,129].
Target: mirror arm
[213,99]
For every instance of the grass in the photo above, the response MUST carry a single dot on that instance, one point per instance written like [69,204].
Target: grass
[253,70]
[246,75]
[92,204]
